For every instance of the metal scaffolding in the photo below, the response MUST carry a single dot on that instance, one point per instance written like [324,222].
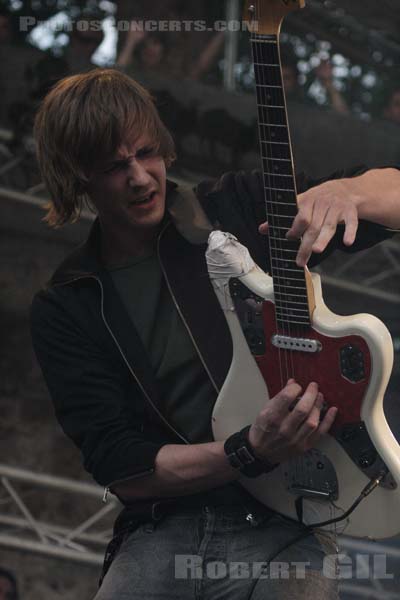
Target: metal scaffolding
[83,542]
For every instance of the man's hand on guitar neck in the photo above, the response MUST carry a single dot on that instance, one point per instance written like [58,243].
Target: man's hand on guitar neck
[321,209]
[290,424]
[373,196]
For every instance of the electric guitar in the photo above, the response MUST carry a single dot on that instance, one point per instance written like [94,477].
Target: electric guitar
[281,328]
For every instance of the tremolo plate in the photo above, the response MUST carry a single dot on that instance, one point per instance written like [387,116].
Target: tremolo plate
[312,475]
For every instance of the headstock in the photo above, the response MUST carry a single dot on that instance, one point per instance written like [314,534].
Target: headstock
[265,16]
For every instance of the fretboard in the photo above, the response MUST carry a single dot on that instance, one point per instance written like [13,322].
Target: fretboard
[290,289]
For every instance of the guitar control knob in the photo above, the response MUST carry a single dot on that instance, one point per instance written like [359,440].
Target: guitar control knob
[366,459]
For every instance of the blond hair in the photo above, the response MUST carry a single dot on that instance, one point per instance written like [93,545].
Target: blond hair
[83,120]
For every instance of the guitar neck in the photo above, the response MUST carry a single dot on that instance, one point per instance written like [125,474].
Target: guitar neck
[290,283]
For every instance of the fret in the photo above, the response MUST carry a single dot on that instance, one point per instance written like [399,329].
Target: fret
[288,261]
[271,108]
[262,64]
[272,125]
[295,312]
[272,237]
[283,323]
[283,250]
[265,54]
[279,182]
[263,41]
[280,203]
[269,105]
[298,313]
[274,151]
[278,166]
[285,277]
[274,159]
[269,94]
[304,303]
[275,174]
[294,287]
[274,143]
[279,269]
[279,189]
[290,301]
[280,216]
[290,213]
[291,295]
[274,117]
[286,281]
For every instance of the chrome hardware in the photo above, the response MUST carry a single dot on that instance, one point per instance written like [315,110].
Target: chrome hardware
[312,475]
[285,342]
[254,522]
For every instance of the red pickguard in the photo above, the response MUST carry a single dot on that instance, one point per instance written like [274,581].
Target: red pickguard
[322,367]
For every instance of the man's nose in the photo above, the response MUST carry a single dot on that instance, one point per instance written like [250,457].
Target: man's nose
[138,176]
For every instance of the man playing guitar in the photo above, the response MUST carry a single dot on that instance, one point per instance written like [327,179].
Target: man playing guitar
[133,348]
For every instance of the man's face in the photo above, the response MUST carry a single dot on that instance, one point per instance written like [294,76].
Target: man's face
[128,189]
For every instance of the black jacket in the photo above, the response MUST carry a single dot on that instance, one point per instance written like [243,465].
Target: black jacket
[94,363]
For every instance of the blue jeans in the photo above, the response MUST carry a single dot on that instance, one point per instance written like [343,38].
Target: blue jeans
[215,553]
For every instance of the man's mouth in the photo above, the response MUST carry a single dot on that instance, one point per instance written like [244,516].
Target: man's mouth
[144,199]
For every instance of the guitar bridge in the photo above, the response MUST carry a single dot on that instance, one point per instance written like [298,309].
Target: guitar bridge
[312,476]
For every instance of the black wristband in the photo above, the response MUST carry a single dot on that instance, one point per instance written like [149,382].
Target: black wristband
[241,455]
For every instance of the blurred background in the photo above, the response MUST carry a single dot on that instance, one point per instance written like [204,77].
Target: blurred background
[341,67]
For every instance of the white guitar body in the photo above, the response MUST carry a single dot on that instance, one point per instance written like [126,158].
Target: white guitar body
[245,393]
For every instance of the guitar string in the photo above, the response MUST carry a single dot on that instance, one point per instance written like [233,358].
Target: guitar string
[276,221]
[286,308]
[254,51]
[263,50]
[293,179]
[265,174]
[270,57]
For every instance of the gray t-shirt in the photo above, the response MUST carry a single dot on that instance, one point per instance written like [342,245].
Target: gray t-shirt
[187,395]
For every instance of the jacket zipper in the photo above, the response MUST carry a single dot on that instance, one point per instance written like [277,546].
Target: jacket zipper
[180,312]
[107,487]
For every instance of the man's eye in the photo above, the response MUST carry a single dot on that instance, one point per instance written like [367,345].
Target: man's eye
[116,167]
[145,151]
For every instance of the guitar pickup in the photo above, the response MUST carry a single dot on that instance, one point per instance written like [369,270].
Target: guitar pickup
[285,342]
